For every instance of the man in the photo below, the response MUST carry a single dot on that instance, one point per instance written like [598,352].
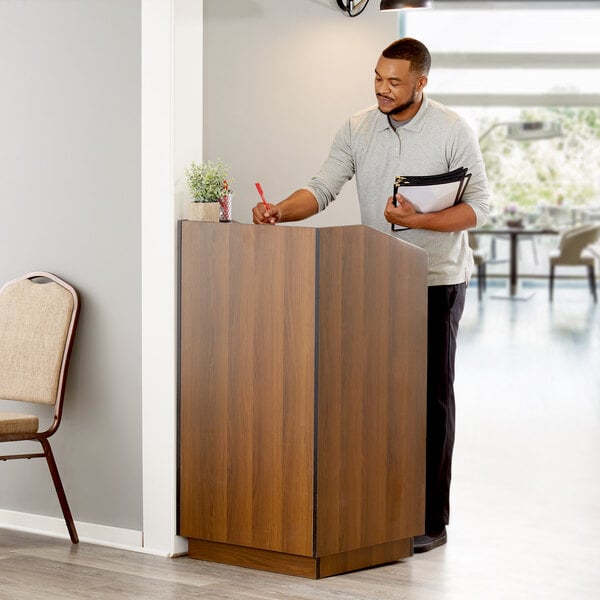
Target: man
[408,134]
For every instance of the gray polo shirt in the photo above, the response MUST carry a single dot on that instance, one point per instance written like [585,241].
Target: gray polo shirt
[436,140]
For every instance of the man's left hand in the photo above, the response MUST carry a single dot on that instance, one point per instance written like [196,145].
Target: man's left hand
[402,214]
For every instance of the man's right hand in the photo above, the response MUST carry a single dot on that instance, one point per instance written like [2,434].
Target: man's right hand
[263,216]
[299,205]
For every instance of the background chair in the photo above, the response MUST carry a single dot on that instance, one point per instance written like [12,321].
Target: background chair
[38,317]
[572,252]
[480,257]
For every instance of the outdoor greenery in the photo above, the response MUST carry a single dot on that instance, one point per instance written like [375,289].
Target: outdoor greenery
[563,171]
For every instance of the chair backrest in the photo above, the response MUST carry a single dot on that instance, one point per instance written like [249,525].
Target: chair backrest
[573,231]
[574,241]
[38,316]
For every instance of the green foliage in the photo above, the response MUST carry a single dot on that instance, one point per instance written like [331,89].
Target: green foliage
[560,171]
[208,181]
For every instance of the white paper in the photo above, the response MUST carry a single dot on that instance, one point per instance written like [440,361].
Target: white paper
[431,198]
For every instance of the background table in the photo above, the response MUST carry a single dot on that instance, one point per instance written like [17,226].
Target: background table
[513,234]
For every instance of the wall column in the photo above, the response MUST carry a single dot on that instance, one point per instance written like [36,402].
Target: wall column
[171,137]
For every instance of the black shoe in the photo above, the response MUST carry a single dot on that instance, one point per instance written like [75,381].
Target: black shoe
[427,542]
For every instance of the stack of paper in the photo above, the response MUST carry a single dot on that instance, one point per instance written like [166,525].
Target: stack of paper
[431,193]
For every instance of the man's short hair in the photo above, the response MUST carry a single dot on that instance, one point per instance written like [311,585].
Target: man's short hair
[412,50]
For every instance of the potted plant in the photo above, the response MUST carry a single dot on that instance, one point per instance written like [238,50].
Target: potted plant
[211,195]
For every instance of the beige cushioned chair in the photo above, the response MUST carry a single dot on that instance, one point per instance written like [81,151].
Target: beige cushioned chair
[572,252]
[38,317]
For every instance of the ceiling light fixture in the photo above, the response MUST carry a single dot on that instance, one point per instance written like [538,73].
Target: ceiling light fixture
[353,8]
[399,5]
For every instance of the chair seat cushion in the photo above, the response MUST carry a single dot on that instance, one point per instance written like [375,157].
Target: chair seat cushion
[11,422]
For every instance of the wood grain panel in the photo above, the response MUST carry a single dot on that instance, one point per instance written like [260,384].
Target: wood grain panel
[253,558]
[204,380]
[301,566]
[372,385]
[364,557]
[247,385]
[302,352]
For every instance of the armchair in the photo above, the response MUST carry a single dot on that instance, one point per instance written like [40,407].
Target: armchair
[572,252]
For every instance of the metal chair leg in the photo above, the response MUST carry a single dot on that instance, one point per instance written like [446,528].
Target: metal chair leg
[592,281]
[60,491]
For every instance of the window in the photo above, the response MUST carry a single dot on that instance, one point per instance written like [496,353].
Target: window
[501,64]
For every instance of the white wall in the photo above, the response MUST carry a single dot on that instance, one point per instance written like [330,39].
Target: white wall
[70,203]
[280,78]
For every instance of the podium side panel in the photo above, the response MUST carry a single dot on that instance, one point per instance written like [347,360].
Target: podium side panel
[247,385]
[371,389]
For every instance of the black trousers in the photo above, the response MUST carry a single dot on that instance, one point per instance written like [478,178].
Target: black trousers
[445,308]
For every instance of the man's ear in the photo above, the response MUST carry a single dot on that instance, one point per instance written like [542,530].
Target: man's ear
[421,83]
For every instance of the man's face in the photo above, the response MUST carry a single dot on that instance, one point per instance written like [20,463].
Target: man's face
[397,88]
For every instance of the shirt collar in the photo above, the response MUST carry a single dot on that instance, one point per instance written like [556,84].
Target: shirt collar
[415,124]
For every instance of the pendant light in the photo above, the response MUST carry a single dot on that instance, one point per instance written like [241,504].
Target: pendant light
[353,8]
[402,4]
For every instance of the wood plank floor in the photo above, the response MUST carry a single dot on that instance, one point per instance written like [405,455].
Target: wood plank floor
[526,491]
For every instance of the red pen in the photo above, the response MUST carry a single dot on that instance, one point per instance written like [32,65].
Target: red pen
[262,196]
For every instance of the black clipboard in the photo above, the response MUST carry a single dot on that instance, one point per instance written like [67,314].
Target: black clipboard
[432,193]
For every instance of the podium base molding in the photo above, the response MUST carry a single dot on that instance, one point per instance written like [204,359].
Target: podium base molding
[300,566]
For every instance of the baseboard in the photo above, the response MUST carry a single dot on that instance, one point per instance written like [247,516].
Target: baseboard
[101,535]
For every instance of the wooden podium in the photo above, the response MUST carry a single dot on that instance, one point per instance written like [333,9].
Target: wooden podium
[302,396]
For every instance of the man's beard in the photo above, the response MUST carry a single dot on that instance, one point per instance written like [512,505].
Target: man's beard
[403,107]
